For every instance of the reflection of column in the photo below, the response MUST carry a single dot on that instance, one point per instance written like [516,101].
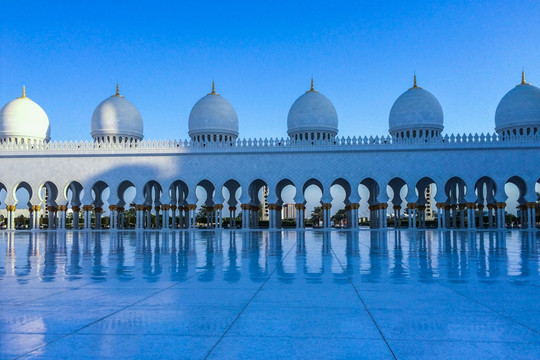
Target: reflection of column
[87,216]
[76,215]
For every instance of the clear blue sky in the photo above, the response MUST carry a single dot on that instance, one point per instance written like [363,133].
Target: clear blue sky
[262,55]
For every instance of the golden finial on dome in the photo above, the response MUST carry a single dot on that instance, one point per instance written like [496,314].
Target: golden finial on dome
[117,94]
[23,92]
[415,86]
[523,82]
[312,88]
[213,89]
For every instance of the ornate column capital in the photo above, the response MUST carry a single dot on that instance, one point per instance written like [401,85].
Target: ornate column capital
[326,206]
[87,207]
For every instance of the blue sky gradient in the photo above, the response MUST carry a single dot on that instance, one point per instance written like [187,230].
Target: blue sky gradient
[262,54]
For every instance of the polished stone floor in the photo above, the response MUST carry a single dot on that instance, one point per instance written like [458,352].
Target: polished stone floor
[256,295]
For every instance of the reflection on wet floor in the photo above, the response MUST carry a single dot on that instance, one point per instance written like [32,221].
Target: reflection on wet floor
[152,255]
[236,294]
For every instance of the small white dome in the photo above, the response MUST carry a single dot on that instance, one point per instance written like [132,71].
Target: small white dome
[416,109]
[519,108]
[213,115]
[312,113]
[24,119]
[116,117]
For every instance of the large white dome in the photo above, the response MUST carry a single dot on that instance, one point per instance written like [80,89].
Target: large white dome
[312,113]
[416,109]
[519,109]
[116,119]
[23,119]
[213,115]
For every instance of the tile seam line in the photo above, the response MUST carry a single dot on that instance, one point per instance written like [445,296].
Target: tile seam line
[471,299]
[115,312]
[250,300]
[364,304]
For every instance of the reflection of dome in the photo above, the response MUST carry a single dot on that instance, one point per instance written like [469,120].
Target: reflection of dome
[312,115]
[519,110]
[23,120]
[416,113]
[116,119]
[213,119]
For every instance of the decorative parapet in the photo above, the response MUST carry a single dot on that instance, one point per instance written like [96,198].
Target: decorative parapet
[189,145]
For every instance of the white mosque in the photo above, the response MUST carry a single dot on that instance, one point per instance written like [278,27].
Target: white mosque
[417,165]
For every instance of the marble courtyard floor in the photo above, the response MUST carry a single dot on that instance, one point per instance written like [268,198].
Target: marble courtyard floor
[277,295]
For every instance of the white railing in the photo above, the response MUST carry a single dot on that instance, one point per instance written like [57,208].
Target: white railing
[186,145]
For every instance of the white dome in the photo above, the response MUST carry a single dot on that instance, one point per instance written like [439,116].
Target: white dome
[312,112]
[24,119]
[117,117]
[416,109]
[213,115]
[519,108]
